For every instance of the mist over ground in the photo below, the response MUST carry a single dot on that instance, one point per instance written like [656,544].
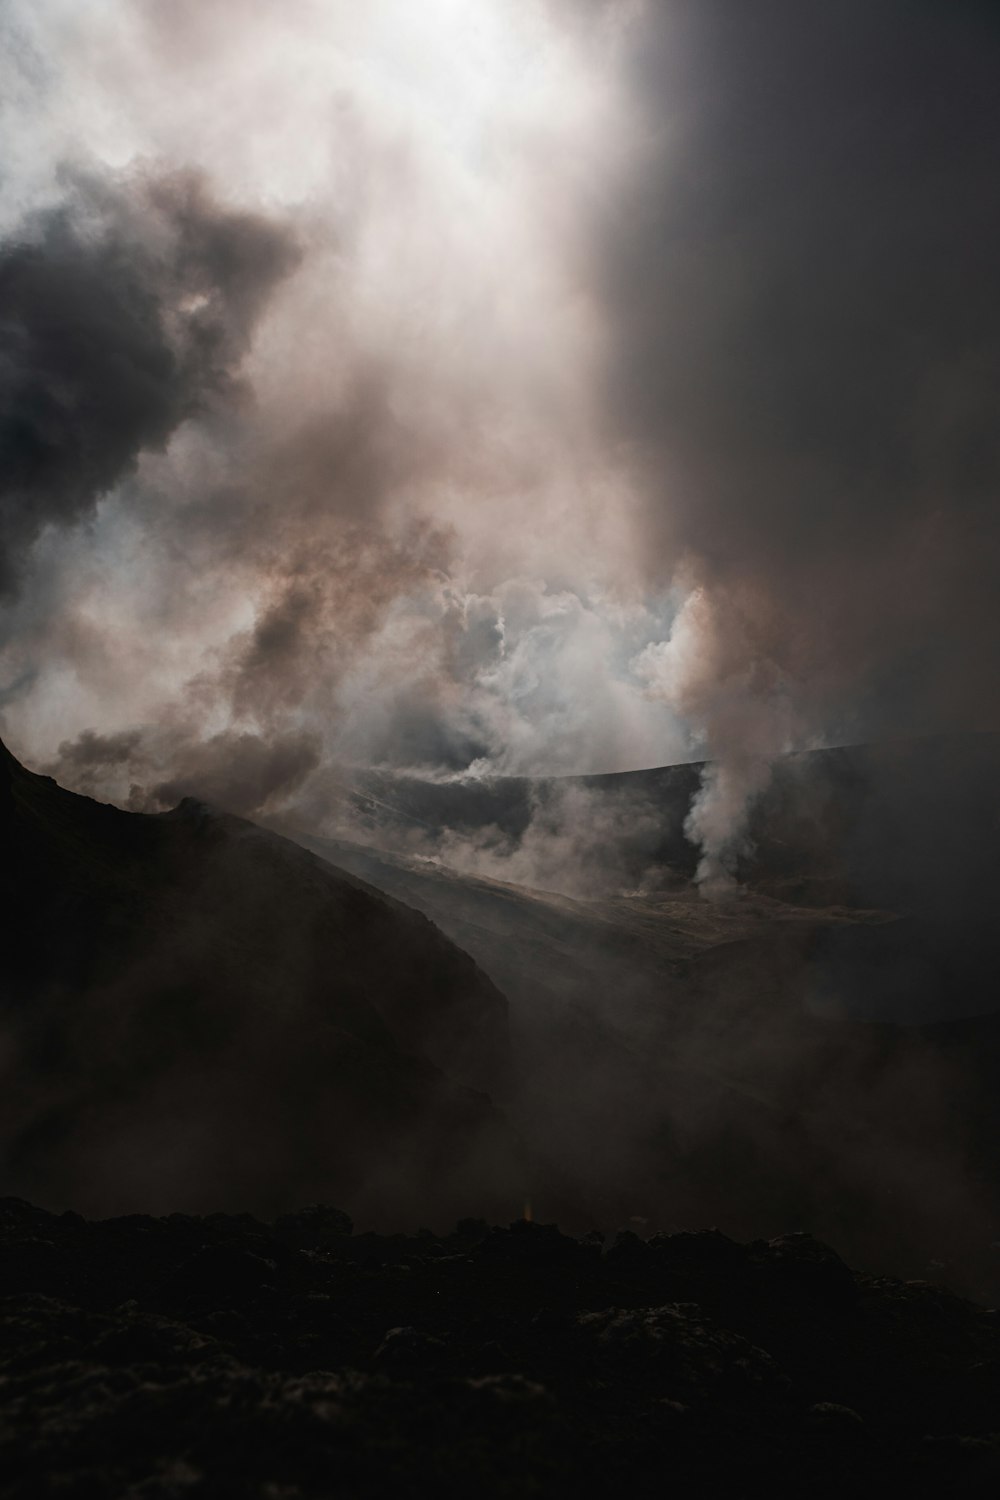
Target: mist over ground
[816,1047]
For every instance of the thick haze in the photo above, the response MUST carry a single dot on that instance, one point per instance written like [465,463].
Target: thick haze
[497,384]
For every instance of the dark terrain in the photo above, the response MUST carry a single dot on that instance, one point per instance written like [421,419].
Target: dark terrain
[196,1014]
[221,1356]
[820,1051]
[203,1020]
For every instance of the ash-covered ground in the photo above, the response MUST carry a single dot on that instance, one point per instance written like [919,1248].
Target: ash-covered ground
[221,1356]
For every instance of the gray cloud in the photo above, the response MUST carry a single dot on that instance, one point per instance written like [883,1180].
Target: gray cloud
[240,771]
[802,284]
[85,761]
[125,310]
[806,300]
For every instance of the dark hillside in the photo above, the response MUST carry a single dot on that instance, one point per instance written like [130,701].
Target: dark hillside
[195,1012]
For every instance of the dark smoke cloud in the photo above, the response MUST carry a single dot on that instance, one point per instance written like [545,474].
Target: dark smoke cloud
[803,284]
[240,771]
[802,287]
[86,760]
[125,311]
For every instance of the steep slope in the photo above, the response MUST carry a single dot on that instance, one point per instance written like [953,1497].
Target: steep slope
[194,1011]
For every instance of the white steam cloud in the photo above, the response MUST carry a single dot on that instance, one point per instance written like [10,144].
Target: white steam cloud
[410,540]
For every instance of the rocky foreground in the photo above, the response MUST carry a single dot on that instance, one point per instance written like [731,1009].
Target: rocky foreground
[221,1356]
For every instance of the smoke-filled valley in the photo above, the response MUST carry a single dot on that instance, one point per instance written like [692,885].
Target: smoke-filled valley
[819,1046]
[198,1014]
[498,660]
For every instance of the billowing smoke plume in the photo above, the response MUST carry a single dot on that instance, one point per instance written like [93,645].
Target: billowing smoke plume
[801,286]
[494,389]
[126,311]
[367,515]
